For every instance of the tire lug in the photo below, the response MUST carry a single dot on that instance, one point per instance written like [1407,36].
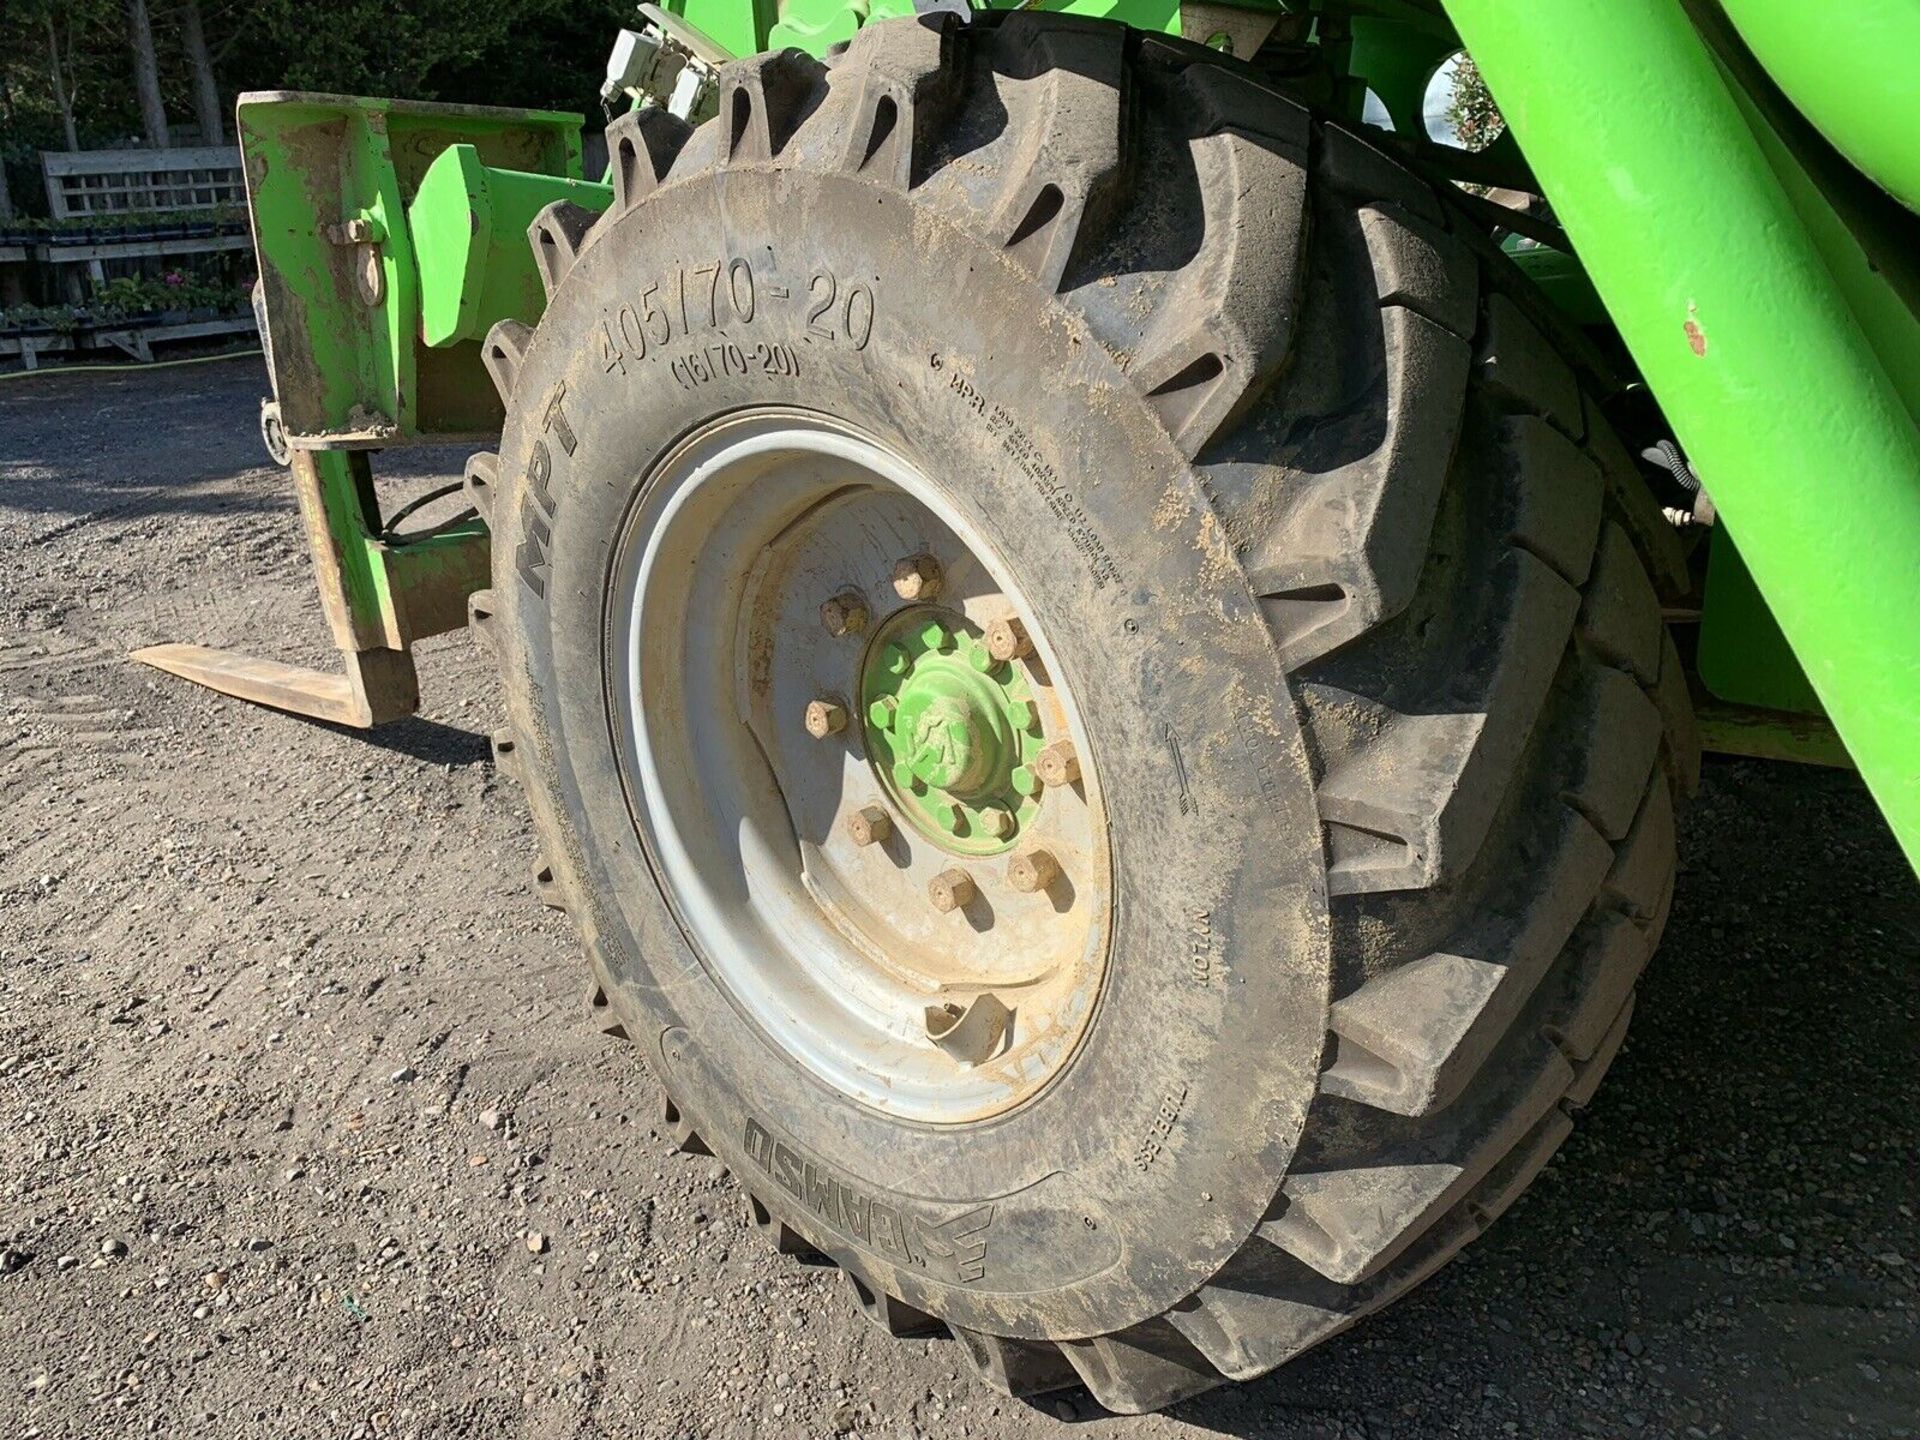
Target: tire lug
[951,890]
[869,824]
[1007,639]
[916,577]
[824,718]
[845,614]
[1032,871]
[1057,763]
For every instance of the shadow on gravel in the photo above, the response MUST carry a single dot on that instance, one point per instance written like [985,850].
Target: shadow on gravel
[65,446]
[426,740]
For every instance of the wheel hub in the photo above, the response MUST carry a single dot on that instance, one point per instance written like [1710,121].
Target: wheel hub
[951,731]
[857,774]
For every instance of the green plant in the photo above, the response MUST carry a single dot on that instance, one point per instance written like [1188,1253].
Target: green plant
[129,295]
[1476,120]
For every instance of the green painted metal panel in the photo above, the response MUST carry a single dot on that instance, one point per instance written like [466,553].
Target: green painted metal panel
[1760,358]
[1561,278]
[740,27]
[1854,71]
[1742,656]
[350,367]
[469,227]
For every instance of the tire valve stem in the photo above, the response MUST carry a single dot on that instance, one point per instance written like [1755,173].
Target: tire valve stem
[824,718]
[970,1033]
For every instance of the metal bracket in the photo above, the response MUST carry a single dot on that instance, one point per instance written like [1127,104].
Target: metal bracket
[380,595]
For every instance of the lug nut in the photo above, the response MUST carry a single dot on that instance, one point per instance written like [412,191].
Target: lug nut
[949,815]
[917,577]
[895,660]
[824,718]
[997,823]
[1057,763]
[882,711]
[936,637]
[1008,639]
[1032,871]
[845,613]
[951,890]
[868,824]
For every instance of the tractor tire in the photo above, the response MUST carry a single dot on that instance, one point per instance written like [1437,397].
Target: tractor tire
[1356,597]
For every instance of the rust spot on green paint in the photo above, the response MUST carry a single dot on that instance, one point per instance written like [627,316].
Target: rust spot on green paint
[1696,337]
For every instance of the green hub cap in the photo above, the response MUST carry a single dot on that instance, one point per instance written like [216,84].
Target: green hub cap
[951,731]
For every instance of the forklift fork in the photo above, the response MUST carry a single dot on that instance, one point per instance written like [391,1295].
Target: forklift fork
[380,594]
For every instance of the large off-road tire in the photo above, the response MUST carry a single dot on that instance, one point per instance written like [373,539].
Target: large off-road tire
[1357,593]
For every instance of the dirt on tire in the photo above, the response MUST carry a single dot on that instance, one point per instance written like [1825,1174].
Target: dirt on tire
[307,1131]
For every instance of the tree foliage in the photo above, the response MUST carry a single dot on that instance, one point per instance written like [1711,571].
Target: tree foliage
[546,53]
[1476,120]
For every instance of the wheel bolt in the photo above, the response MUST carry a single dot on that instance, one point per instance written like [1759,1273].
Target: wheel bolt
[1025,781]
[868,824]
[1057,763]
[917,577]
[845,613]
[1008,640]
[951,890]
[949,815]
[824,718]
[1032,871]
[936,637]
[997,823]
[882,711]
[895,661]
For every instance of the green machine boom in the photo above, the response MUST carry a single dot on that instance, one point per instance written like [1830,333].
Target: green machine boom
[1738,211]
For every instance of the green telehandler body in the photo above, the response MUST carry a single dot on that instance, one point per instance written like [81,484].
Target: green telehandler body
[1104,633]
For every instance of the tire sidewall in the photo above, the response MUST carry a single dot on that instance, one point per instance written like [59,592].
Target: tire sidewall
[1132,1178]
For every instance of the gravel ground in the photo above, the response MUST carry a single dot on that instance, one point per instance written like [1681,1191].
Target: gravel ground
[304,1131]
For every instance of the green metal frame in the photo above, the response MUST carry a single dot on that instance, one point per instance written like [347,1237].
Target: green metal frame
[390,236]
[1779,345]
